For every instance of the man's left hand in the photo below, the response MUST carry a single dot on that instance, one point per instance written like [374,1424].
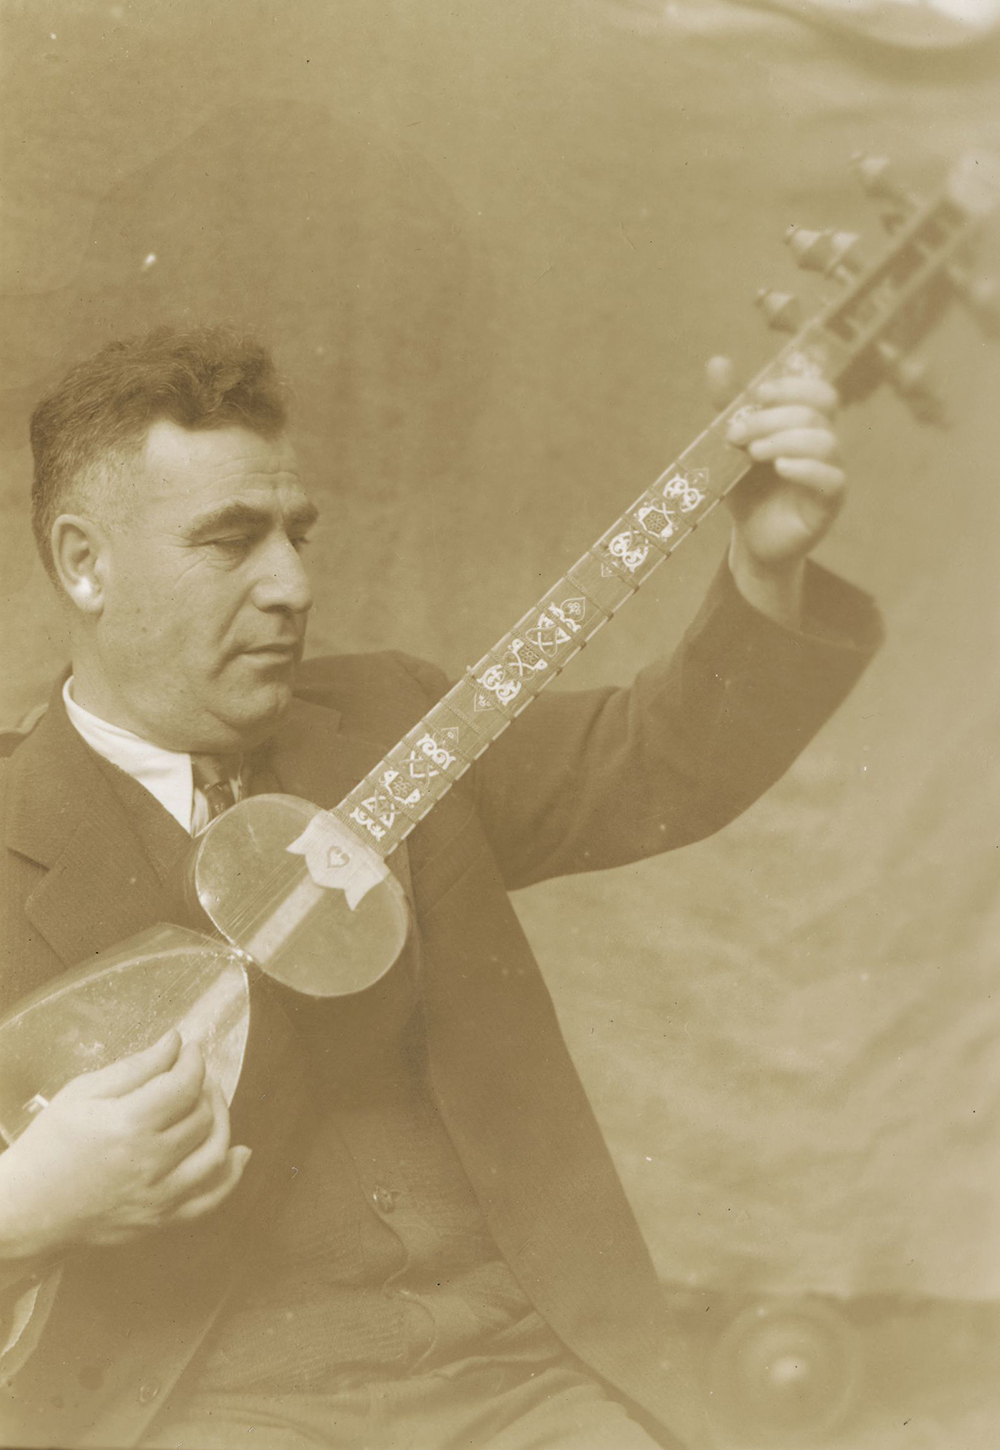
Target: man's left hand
[785,506]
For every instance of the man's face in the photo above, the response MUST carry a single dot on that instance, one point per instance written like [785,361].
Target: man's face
[205,597]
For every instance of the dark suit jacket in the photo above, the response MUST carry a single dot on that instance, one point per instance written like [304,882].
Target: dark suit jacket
[582,781]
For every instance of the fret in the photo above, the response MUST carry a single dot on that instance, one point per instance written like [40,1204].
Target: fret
[452,730]
[378,834]
[349,813]
[606,591]
[560,624]
[439,749]
[651,525]
[595,613]
[512,671]
[655,524]
[709,465]
[701,477]
[432,748]
[618,556]
[381,808]
[481,737]
[630,562]
[480,708]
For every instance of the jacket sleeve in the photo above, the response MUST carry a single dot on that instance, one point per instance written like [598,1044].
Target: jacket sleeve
[587,780]
[25,1305]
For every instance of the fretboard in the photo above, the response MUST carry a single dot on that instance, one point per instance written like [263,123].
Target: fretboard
[395,796]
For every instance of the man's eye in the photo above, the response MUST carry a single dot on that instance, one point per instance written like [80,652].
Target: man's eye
[300,541]
[235,544]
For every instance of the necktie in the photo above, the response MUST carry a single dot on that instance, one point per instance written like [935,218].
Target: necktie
[212,776]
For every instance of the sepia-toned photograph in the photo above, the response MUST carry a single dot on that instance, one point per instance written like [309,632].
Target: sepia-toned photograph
[419,1031]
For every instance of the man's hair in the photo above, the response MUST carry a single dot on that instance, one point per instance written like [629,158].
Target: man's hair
[98,416]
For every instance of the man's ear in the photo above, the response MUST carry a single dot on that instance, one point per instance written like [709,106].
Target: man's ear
[79,552]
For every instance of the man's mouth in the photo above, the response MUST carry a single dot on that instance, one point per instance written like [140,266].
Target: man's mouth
[284,651]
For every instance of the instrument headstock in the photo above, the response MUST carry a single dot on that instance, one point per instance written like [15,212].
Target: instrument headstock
[888,297]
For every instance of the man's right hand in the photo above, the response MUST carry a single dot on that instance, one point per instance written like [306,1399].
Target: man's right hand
[135,1146]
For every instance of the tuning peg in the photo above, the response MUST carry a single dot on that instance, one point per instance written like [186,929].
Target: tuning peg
[811,250]
[980,294]
[845,245]
[909,376]
[822,251]
[782,310]
[876,176]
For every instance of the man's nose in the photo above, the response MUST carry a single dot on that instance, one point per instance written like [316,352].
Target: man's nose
[283,582]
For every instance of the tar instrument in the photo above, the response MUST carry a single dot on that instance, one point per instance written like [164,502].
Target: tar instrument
[305,894]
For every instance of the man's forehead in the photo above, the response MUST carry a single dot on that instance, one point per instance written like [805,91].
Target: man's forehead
[201,464]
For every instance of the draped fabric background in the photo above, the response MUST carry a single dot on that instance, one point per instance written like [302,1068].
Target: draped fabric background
[493,246]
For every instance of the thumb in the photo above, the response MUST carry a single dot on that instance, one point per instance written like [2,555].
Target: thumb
[720,380]
[129,1073]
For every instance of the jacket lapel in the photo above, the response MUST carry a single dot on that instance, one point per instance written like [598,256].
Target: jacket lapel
[309,757]
[101,885]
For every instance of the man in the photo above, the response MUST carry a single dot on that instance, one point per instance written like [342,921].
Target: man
[429,1247]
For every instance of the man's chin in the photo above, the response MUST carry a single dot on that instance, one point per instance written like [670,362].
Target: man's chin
[253,716]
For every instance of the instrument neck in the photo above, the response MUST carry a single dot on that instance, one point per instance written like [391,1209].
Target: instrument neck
[409,781]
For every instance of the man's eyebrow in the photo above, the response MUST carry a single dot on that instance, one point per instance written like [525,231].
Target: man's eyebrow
[245,516]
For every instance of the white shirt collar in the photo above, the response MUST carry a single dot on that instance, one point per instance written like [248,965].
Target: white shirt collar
[165,773]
